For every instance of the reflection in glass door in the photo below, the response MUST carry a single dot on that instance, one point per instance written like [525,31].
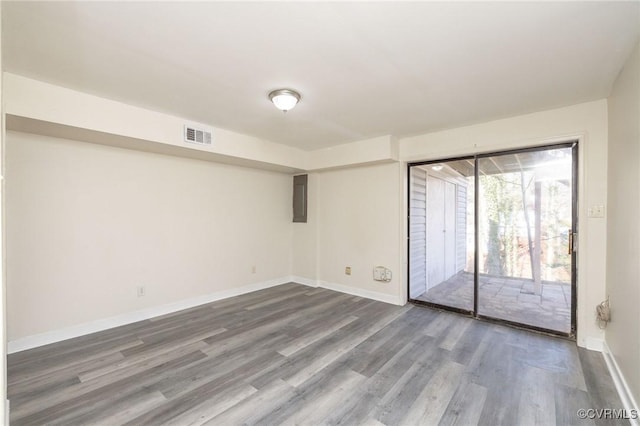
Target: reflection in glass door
[492,235]
[442,237]
[525,230]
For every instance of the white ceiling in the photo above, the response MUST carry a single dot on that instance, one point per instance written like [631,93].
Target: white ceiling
[364,69]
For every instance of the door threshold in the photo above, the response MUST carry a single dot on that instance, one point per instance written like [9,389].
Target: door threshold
[540,330]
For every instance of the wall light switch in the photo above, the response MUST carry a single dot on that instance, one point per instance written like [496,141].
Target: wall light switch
[347,270]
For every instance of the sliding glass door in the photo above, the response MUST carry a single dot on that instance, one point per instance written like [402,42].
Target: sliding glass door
[492,235]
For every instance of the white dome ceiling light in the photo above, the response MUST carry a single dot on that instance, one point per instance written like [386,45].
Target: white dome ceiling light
[284,99]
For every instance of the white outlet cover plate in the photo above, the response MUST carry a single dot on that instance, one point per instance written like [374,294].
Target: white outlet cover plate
[596,210]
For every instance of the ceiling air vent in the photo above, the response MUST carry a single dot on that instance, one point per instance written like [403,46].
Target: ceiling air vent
[195,135]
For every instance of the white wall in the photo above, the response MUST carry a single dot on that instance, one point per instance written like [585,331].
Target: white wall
[359,225]
[587,122]
[623,245]
[305,238]
[88,223]
[383,149]
[103,119]
[38,107]
[4,413]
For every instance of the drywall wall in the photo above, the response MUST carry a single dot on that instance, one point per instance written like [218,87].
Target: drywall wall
[586,122]
[359,225]
[86,224]
[37,107]
[623,228]
[305,238]
[383,149]
[48,103]
[4,413]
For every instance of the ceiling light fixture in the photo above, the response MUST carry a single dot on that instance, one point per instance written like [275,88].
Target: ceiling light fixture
[437,167]
[284,99]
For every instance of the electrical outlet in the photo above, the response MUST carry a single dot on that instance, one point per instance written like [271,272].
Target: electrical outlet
[141,290]
[380,273]
[347,270]
[596,210]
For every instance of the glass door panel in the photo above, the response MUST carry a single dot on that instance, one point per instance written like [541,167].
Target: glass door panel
[525,229]
[441,233]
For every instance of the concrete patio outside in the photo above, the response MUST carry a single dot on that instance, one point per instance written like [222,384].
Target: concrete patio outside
[513,299]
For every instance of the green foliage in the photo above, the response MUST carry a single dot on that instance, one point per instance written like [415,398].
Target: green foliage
[504,238]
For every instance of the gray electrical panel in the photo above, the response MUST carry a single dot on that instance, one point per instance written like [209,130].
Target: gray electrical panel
[300,198]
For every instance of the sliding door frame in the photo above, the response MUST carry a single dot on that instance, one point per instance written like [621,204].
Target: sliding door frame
[573,144]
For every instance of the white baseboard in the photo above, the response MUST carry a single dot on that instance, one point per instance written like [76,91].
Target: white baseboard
[34,341]
[305,281]
[355,291]
[594,344]
[42,339]
[368,294]
[628,401]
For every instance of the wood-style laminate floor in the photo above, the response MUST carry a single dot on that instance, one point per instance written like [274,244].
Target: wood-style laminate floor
[296,355]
